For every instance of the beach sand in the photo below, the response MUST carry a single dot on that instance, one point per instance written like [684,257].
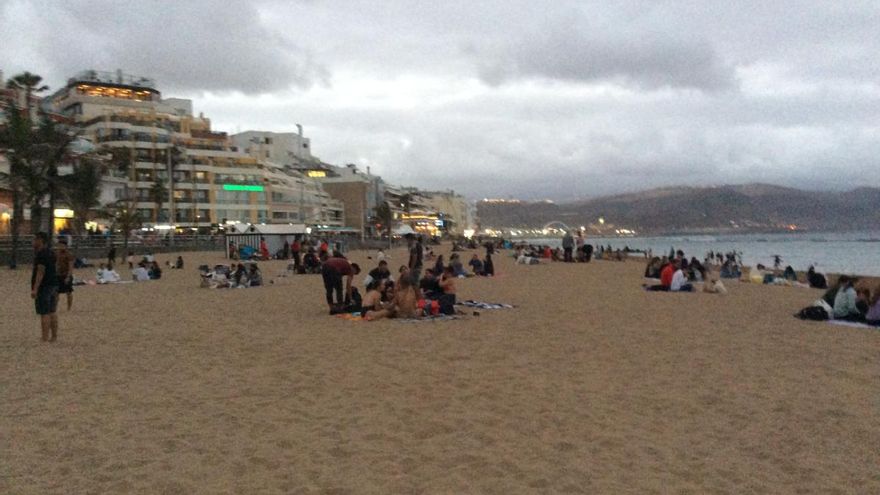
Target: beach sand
[590,385]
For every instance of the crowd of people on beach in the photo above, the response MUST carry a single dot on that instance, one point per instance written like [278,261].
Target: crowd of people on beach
[413,292]
[426,284]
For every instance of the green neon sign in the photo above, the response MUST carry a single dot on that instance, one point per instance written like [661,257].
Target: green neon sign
[234,187]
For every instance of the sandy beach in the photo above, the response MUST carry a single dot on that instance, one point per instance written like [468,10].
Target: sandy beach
[590,385]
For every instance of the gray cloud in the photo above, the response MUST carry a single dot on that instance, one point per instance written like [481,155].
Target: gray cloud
[507,98]
[573,49]
[192,46]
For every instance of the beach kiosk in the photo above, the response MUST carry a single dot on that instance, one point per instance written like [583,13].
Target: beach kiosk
[247,236]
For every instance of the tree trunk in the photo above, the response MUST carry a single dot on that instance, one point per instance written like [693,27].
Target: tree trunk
[36,217]
[17,214]
[50,229]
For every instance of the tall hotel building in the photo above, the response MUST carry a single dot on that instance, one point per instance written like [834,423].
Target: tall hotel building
[206,179]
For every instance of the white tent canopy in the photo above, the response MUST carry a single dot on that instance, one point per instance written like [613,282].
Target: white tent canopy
[270,229]
[403,230]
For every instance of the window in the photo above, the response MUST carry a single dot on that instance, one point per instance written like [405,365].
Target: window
[279,215]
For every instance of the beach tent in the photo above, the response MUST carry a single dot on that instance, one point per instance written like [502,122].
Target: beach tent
[243,234]
[403,230]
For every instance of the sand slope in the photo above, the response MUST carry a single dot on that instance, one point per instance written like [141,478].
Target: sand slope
[590,385]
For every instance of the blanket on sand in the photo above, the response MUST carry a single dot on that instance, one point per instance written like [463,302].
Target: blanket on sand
[484,305]
[853,324]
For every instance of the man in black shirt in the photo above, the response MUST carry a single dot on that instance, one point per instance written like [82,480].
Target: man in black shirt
[44,287]
[381,272]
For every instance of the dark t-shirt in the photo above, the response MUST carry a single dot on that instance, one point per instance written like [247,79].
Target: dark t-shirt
[379,273]
[340,265]
[415,256]
[46,258]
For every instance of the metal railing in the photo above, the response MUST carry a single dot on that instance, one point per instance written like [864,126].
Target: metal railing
[97,246]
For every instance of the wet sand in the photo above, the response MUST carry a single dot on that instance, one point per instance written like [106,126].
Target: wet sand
[591,385]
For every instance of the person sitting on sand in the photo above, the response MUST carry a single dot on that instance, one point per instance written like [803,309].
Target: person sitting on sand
[447,285]
[373,298]
[845,302]
[476,265]
[140,274]
[404,305]
[255,276]
[311,263]
[457,267]
[178,265]
[816,280]
[380,274]
[831,294]
[666,274]
[789,274]
[239,277]
[429,285]
[381,256]
[679,281]
[155,272]
[696,270]
[872,317]
[107,275]
[653,268]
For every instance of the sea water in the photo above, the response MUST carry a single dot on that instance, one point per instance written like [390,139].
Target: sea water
[851,253]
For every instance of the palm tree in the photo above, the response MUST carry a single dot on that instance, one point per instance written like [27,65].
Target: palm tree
[158,195]
[126,218]
[14,137]
[19,139]
[82,188]
[386,217]
[30,84]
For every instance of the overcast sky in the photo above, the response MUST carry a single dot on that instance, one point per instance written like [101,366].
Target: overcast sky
[505,98]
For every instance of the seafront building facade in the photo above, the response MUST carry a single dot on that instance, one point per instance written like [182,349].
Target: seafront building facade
[179,172]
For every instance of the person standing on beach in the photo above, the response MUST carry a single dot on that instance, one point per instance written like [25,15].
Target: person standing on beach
[295,249]
[64,267]
[568,246]
[44,287]
[111,256]
[416,253]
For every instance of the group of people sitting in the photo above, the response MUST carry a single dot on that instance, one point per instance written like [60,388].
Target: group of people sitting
[845,301]
[234,276]
[678,274]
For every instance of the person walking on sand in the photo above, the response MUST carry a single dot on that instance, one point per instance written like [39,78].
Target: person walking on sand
[44,287]
[64,267]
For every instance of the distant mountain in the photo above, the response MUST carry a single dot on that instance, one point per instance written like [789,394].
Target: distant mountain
[745,208]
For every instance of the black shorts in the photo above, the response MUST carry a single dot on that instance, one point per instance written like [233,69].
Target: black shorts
[46,301]
[65,285]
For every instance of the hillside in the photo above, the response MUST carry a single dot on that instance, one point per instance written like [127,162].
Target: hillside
[748,207]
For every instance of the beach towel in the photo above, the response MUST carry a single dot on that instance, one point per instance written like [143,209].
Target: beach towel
[484,305]
[852,324]
[431,319]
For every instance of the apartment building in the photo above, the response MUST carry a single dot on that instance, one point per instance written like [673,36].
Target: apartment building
[177,169]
